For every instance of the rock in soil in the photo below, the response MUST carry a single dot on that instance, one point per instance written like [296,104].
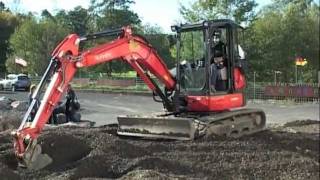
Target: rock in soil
[5,103]
[10,119]
[93,153]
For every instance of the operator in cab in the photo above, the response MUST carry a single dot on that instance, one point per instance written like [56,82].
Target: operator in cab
[218,66]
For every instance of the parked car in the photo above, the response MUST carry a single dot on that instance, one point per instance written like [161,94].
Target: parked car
[15,82]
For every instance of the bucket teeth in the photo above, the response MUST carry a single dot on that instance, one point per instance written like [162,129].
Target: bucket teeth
[33,158]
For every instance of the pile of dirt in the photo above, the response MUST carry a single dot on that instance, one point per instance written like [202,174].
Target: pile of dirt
[85,153]
[10,119]
[300,123]
[5,103]
[11,113]
[305,126]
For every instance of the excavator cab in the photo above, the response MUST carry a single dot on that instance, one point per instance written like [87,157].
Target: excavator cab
[200,47]
[208,61]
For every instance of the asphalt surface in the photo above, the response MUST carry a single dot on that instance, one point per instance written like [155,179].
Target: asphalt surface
[104,108]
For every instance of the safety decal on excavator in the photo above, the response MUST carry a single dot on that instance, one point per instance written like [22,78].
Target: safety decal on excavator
[166,77]
[133,45]
[102,57]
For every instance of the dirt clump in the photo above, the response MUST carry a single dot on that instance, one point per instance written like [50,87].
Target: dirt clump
[10,116]
[7,173]
[90,153]
[10,120]
[149,174]
[305,126]
[5,103]
[301,123]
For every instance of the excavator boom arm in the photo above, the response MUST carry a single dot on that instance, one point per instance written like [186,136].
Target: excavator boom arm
[67,59]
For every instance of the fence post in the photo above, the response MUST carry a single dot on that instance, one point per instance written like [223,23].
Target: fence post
[296,69]
[254,86]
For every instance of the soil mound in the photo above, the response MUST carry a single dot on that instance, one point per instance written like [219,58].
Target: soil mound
[148,174]
[305,126]
[9,119]
[89,153]
[301,123]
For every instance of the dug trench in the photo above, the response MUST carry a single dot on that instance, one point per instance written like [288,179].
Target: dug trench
[80,153]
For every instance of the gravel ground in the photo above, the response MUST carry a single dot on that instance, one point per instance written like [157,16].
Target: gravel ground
[87,153]
[286,151]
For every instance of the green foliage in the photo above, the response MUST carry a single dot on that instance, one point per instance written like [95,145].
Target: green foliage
[111,14]
[34,42]
[160,43]
[281,34]
[97,5]
[8,22]
[3,7]
[239,10]
[191,46]
[77,20]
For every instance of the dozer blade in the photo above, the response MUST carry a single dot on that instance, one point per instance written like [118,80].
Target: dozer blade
[156,127]
[33,158]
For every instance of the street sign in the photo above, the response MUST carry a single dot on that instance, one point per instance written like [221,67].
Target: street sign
[301,61]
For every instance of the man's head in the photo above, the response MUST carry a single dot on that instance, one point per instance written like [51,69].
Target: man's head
[217,36]
[32,88]
[69,87]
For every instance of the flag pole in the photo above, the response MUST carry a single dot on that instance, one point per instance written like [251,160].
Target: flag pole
[296,72]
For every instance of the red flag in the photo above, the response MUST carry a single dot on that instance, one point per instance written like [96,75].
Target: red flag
[20,61]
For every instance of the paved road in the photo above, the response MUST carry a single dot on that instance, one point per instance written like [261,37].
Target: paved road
[104,108]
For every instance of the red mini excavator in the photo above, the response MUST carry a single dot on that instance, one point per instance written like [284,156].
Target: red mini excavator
[195,105]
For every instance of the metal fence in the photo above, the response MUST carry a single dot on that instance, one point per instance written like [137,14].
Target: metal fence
[300,92]
[295,92]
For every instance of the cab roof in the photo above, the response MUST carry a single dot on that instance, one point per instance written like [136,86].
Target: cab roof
[205,24]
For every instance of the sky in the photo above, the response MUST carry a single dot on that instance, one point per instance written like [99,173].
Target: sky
[164,13]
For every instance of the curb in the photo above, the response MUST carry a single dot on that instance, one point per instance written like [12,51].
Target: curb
[7,92]
[103,91]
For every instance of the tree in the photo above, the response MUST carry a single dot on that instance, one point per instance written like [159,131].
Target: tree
[98,5]
[34,42]
[242,11]
[111,14]
[160,42]
[47,15]
[281,34]
[77,20]
[2,6]
[8,23]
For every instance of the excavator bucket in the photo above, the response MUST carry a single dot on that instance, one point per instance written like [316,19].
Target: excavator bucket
[156,127]
[33,158]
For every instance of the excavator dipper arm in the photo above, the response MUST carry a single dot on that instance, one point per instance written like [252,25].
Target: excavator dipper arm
[66,59]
